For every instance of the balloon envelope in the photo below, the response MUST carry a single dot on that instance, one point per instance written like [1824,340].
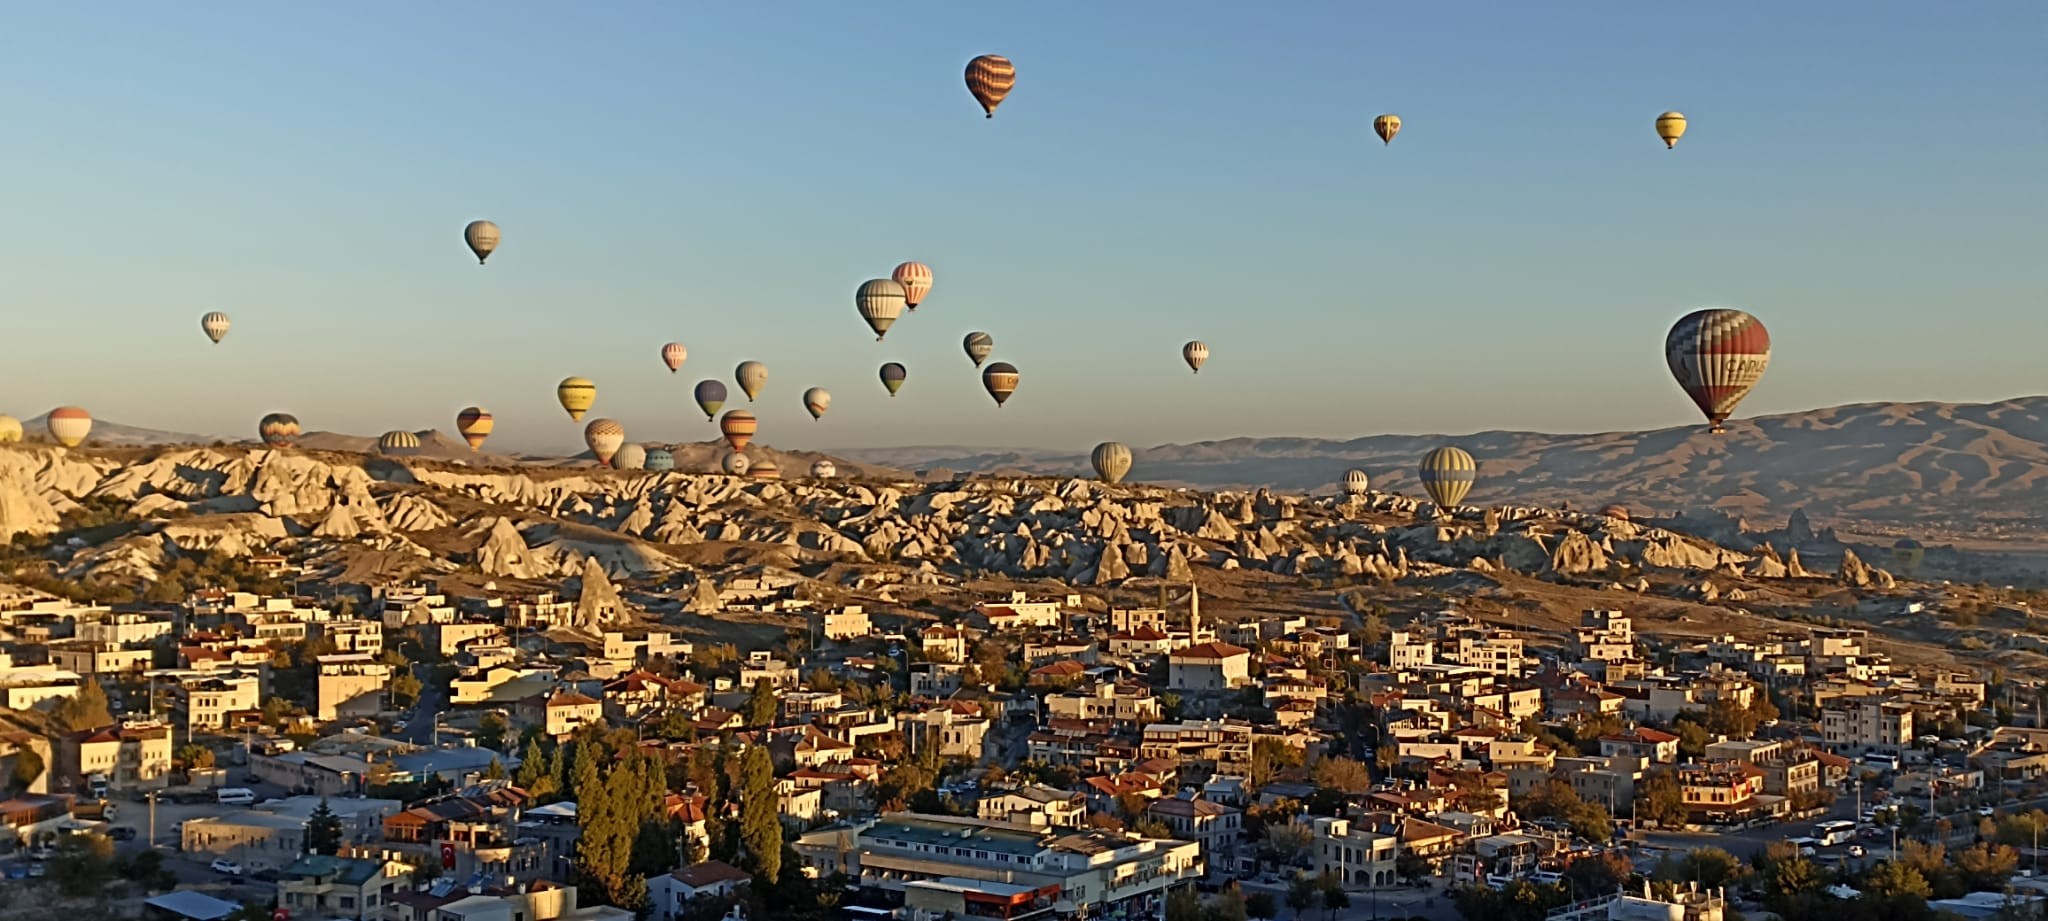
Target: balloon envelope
[398,444]
[1717,355]
[1111,461]
[824,469]
[916,279]
[738,427]
[1448,473]
[880,302]
[1356,483]
[577,394]
[1908,553]
[603,437]
[893,376]
[482,237]
[735,463]
[630,457]
[1000,379]
[817,400]
[69,425]
[979,346]
[673,355]
[1386,126]
[989,78]
[751,375]
[660,460]
[1671,127]
[10,430]
[474,423]
[710,396]
[278,430]
[215,325]
[1196,354]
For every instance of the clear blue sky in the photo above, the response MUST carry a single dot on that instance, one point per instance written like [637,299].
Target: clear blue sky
[1865,177]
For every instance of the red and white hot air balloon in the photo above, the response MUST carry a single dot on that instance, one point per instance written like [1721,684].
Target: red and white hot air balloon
[673,354]
[1717,355]
[69,425]
[916,279]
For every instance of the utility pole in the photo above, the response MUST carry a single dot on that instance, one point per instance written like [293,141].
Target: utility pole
[152,820]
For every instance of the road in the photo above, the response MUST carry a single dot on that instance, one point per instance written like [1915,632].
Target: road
[1750,841]
[433,701]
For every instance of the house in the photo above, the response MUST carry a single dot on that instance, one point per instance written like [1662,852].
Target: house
[957,730]
[542,901]
[1214,826]
[1036,804]
[669,895]
[1360,858]
[1720,791]
[131,757]
[1657,745]
[319,886]
[559,714]
[350,685]
[1874,723]
[1212,666]
[847,623]
[942,863]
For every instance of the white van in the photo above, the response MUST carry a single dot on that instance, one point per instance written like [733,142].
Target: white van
[235,796]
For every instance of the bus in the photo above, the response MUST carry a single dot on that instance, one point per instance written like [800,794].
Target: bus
[1830,834]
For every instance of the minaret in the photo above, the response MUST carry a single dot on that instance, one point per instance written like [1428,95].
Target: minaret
[1194,612]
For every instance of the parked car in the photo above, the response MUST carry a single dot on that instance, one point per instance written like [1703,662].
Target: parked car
[1856,851]
[122,833]
[223,865]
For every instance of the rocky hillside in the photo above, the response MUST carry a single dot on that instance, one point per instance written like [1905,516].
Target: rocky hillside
[1945,469]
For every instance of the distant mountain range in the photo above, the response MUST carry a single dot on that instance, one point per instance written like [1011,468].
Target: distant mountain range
[1961,468]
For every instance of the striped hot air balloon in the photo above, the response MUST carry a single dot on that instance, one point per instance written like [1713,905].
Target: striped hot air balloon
[1617,512]
[1717,355]
[1671,127]
[660,460]
[1908,553]
[215,325]
[673,355]
[1448,473]
[979,346]
[880,302]
[893,376]
[398,444]
[603,437]
[738,427]
[1386,126]
[710,396]
[734,463]
[1196,354]
[765,469]
[1111,460]
[989,78]
[577,394]
[474,424]
[1356,483]
[69,425]
[482,237]
[752,376]
[630,457]
[824,469]
[916,279]
[278,430]
[10,430]
[1000,380]
[817,400]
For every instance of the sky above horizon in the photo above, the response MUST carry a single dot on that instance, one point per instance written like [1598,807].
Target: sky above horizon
[1864,177]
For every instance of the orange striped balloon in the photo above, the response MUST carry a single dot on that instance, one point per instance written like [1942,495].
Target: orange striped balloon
[989,78]
[738,427]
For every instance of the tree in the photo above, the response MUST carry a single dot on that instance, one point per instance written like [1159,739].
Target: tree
[495,771]
[490,732]
[1411,866]
[533,776]
[1986,866]
[323,830]
[1892,880]
[28,766]
[1261,905]
[86,709]
[1230,906]
[760,814]
[1599,873]
[1692,737]
[1303,894]
[1288,842]
[1270,756]
[83,865]
[1182,904]
[1374,631]
[1335,899]
[1712,867]
[1660,800]
[1341,773]
[405,688]
[761,704]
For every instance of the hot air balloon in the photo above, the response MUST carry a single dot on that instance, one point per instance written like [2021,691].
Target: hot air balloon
[1112,460]
[10,430]
[603,437]
[278,430]
[751,375]
[1196,354]
[765,469]
[1447,473]
[660,460]
[817,400]
[1717,355]
[398,444]
[979,346]
[893,375]
[880,301]
[1356,483]
[916,279]
[738,426]
[474,423]
[710,396]
[1000,379]
[215,326]
[989,78]
[630,457]
[1908,553]
[673,354]
[69,425]
[734,463]
[1617,512]
[482,237]
[577,394]
[1386,126]
[1671,127]
[824,469]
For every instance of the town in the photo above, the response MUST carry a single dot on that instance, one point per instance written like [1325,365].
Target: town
[388,751]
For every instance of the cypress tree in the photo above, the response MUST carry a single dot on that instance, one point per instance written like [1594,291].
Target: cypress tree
[760,815]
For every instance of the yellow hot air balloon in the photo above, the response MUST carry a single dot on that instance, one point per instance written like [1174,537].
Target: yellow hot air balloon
[989,78]
[1448,473]
[10,430]
[1386,126]
[1671,127]
[577,394]
[475,424]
